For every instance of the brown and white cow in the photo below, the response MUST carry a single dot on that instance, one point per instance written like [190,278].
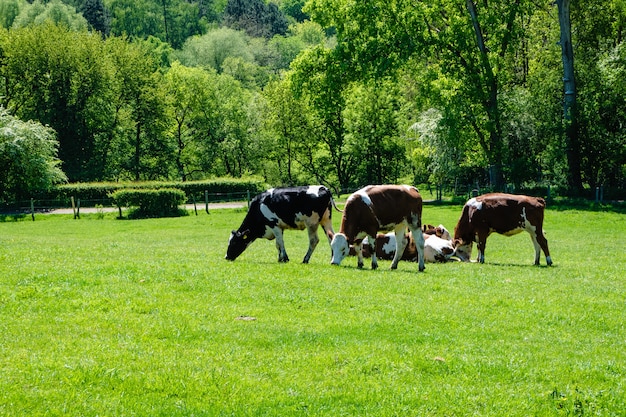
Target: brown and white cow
[437,246]
[506,214]
[380,208]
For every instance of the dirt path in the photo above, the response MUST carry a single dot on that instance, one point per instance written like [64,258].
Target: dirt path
[200,207]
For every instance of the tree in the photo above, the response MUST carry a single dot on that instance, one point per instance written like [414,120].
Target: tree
[570,114]
[28,158]
[320,78]
[172,21]
[97,15]
[213,48]
[372,132]
[287,121]
[9,10]
[470,46]
[59,78]
[54,11]
[255,17]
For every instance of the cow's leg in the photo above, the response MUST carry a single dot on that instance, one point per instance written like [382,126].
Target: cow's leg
[481,244]
[540,243]
[401,242]
[374,260]
[358,248]
[313,241]
[280,245]
[418,238]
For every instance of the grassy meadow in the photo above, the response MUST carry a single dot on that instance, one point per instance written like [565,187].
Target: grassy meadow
[106,317]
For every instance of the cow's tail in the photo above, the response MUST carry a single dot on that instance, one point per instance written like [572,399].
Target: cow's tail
[332,201]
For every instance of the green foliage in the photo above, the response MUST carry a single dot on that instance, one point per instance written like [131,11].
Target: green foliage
[54,11]
[28,158]
[172,21]
[97,15]
[163,202]
[94,308]
[212,49]
[9,10]
[99,191]
[255,17]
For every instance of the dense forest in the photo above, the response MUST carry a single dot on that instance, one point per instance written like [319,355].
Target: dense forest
[516,94]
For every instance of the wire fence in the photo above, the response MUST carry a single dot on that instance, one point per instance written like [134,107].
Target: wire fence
[76,203]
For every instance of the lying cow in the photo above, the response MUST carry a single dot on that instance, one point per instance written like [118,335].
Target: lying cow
[380,208]
[505,214]
[278,209]
[437,246]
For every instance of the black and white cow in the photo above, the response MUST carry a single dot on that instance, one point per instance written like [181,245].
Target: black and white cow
[278,209]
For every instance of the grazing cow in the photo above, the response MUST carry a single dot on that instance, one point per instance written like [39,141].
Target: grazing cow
[437,246]
[278,209]
[505,214]
[375,208]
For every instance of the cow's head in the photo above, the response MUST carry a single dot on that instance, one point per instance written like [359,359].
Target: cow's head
[340,248]
[462,249]
[237,243]
[442,232]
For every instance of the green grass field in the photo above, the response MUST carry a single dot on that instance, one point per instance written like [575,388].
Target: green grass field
[105,317]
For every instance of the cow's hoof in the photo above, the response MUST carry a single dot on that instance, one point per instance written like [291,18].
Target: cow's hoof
[359,265]
[394,266]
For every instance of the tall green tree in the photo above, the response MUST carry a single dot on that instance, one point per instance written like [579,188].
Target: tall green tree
[59,78]
[321,78]
[373,134]
[470,44]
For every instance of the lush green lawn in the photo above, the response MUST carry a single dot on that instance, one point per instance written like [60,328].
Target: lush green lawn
[145,318]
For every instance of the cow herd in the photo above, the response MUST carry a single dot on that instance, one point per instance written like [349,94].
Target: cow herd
[394,209]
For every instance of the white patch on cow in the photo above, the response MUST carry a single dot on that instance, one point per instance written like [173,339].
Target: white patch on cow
[390,246]
[269,214]
[366,198]
[472,202]
[340,248]
[314,190]
[269,233]
[434,249]
[302,220]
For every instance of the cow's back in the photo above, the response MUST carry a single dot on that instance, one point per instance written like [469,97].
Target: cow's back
[392,203]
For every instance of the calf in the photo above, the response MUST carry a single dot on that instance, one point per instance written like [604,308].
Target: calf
[437,246]
[375,208]
[278,209]
[505,214]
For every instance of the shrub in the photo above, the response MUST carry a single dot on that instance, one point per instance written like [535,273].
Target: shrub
[162,202]
[192,189]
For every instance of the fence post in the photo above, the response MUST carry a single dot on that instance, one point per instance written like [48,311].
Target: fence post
[248,194]
[77,216]
[73,206]
[32,208]
[195,209]
[206,201]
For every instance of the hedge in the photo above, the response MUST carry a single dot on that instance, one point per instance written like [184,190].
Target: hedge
[192,189]
[162,202]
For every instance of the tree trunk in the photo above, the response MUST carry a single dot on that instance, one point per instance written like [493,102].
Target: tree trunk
[490,104]
[570,118]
